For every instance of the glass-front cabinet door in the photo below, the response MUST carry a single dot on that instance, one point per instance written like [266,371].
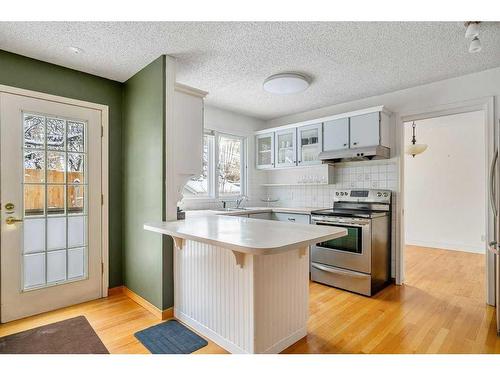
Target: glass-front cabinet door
[286,148]
[265,150]
[310,144]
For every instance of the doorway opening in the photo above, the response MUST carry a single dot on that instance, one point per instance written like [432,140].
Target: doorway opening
[445,207]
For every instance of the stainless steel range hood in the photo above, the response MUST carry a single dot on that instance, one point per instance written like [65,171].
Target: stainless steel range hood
[356,154]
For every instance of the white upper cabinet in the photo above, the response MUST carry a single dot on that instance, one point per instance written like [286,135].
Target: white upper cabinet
[188,123]
[310,144]
[286,148]
[336,134]
[365,130]
[301,144]
[265,150]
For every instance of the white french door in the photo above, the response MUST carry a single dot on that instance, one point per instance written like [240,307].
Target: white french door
[50,181]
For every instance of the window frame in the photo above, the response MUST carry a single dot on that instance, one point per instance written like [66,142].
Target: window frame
[213,193]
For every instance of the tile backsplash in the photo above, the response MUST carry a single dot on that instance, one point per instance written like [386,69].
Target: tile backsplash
[371,175]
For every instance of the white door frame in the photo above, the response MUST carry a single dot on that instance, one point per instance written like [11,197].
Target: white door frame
[104,166]
[486,105]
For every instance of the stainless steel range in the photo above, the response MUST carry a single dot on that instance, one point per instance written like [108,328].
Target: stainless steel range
[361,261]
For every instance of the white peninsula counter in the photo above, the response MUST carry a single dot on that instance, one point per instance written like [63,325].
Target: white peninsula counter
[241,282]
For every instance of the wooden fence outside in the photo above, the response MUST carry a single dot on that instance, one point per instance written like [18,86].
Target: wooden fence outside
[34,195]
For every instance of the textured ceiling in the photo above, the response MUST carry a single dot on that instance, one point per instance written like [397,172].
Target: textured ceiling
[347,60]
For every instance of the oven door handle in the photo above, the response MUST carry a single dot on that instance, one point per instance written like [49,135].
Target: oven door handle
[338,270]
[356,224]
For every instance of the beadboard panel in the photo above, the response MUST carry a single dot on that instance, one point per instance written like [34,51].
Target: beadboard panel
[214,295]
[281,300]
[261,307]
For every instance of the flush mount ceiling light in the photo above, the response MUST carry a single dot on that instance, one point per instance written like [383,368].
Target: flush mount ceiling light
[475,45]
[75,50]
[286,83]
[415,148]
[472,31]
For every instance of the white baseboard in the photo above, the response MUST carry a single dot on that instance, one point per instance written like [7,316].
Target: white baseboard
[478,248]
[287,341]
[207,332]
[231,347]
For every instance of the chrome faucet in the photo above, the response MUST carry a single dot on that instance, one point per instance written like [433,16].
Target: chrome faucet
[240,200]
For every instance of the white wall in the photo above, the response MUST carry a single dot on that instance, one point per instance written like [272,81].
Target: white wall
[445,187]
[233,123]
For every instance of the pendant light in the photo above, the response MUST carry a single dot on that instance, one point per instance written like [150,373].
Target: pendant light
[415,148]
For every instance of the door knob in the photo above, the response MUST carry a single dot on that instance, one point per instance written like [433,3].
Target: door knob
[12,220]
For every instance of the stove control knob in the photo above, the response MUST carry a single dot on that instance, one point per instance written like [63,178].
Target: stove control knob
[386,195]
[379,194]
[336,193]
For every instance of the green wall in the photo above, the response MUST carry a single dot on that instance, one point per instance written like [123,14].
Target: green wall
[147,256]
[26,73]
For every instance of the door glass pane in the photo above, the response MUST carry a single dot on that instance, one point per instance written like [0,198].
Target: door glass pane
[229,168]
[55,134]
[56,233]
[76,231]
[34,166]
[56,266]
[34,270]
[76,199]
[55,167]
[34,131]
[34,235]
[34,200]
[76,137]
[75,168]
[54,185]
[264,151]
[309,145]
[76,262]
[286,152]
[55,199]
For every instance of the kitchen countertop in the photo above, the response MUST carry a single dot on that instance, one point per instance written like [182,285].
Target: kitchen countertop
[245,235]
[254,210]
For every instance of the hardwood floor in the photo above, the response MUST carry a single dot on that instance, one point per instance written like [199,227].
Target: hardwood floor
[440,309]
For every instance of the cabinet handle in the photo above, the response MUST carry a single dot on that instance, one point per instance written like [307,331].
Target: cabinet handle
[291,219]
[345,144]
[354,143]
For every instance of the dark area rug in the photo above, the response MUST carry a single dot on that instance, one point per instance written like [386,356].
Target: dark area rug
[71,336]
[170,337]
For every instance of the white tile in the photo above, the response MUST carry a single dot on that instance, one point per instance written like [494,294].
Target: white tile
[34,270]
[56,266]
[76,231]
[56,233]
[76,263]
[34,235]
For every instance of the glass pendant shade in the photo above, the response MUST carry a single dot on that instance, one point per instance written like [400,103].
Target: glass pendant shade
[415,149]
